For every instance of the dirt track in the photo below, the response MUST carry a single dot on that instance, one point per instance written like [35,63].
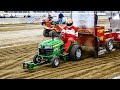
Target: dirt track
[19,45]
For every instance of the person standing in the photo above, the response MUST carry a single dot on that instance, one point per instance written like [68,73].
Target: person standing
[60,18]
[50,17]
[96,19]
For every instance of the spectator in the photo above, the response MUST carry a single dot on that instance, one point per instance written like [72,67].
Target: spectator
[113,14]
[15,16]
[11,16]
[24,16]
[28,15]
[109,18]
[96,18]
[50,17]
[60,18]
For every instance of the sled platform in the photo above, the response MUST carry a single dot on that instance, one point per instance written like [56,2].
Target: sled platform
[103,51]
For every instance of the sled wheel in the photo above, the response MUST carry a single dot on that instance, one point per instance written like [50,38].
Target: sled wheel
[109,45]
[76,52]
[36,60]
[55,61]
[45,33]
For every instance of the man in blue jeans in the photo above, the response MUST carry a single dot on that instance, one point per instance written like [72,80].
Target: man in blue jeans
[60,17]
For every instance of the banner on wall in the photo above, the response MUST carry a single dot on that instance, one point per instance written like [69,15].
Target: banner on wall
[84,21]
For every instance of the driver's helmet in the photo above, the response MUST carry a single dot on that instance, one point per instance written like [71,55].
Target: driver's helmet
[69,22]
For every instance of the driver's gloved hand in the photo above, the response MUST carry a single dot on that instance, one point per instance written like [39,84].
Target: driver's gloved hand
[61,35]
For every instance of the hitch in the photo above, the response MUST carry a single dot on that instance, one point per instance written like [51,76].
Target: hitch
[29,65]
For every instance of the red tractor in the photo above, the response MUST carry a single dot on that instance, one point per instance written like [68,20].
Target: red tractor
[56,29]
[46,20]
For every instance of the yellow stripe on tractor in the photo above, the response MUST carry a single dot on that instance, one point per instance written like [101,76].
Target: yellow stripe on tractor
[57,45]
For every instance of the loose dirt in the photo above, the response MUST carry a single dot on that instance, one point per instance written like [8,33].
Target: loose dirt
[18,43]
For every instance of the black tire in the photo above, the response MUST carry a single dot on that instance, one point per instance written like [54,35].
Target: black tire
[45,33]
[119,45]
[52,23]
[73,52]
[43,23]
[109,45]
[36,59]
[51,33]
[55,61]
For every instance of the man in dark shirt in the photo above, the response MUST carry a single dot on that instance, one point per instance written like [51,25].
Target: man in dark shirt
[60,17]
[96,19]
[50,17]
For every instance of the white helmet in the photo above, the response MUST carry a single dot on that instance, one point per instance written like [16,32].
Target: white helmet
[69,22]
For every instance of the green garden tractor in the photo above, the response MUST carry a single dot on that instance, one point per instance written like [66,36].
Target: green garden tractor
[51,51]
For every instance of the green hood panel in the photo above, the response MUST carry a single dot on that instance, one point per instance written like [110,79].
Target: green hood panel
[54,43]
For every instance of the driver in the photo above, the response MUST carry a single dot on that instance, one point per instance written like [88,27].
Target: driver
[70,34]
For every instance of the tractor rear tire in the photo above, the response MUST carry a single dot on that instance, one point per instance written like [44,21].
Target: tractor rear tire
[45,33]
[76,52]
[109,45]
[36,59]
[55,61]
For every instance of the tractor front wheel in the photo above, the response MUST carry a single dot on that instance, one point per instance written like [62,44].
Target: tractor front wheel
[109,45]
[36,59]
[76,52]
[55,61]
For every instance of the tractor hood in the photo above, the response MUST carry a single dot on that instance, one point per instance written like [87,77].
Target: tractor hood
[54,43]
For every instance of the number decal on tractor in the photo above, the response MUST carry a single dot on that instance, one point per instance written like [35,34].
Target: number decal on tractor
[101,30]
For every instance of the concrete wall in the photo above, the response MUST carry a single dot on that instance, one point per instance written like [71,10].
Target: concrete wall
[16,20]
[31,20]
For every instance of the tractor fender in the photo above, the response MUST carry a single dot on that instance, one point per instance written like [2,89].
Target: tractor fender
[73,43]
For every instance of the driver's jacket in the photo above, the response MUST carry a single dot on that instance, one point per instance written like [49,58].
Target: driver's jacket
[70,32]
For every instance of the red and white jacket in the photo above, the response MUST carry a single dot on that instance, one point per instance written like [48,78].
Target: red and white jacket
[70,32]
